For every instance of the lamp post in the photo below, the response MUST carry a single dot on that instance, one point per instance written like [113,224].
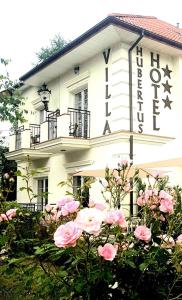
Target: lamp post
[44,94]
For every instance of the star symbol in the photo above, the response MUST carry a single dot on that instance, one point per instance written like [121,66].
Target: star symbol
[167,87]
[167,102]
[167,71]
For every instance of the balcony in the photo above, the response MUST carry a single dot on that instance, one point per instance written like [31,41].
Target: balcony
[34,134]
[79,123]
[18,137]
[68,131]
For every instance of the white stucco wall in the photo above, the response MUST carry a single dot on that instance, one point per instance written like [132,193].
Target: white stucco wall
[93,74]
[108,101]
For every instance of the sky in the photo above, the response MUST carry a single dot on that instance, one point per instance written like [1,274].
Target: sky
[27,25]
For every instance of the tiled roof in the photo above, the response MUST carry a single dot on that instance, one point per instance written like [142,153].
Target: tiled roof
[153,25]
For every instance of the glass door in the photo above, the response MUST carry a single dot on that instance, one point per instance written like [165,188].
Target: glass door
[42,192]
[81,104]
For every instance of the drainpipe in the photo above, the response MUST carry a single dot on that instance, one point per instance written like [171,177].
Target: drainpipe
[131,108]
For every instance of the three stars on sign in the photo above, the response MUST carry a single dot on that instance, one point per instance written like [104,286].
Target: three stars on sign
[167,72]
[167,102]
[167,87]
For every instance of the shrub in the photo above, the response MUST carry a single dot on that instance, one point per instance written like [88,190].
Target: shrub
[95,252]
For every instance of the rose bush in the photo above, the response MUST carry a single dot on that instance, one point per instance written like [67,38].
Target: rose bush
[96,252]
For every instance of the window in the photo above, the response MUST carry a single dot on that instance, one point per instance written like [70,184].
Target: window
[42,192]
[81,191]
[81,100]
[79,115]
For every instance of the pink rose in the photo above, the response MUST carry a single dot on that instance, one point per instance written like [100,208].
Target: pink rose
[179,240]
[64,200]
[115,217]
[66,235]
[141,201]
[166,205]
[55,215]
[6,176]
[98,205]
[70,207]
[154,206]
[118,180]
[143,233]
[155,192]
[90,220]
[127,187]
[115,173]
[4,217]
[48,208]
[108,251]
[167,241]
[11,213]
[148,193]
[162,218]
[124,163]
[163,195]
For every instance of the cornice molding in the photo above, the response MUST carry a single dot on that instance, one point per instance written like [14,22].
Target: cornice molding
[78,79]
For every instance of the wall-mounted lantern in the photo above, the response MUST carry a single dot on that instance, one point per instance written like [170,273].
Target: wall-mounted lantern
[76,69]
[44,94]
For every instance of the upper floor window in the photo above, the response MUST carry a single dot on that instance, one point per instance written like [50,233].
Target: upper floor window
[79,115]
[81,99]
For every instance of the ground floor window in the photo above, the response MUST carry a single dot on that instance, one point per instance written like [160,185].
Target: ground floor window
[42,191]
[80,191]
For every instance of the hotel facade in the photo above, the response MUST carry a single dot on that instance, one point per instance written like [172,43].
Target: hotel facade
[116,94]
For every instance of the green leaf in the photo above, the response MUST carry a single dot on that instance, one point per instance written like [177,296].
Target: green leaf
[131,264]
[18,173]
[143,266]
[62,273]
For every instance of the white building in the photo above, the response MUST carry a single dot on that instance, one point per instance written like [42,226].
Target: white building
[116,93]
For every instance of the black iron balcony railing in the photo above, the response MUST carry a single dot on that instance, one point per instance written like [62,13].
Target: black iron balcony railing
[18,139]
[79,123]
[52,124]
[34,134]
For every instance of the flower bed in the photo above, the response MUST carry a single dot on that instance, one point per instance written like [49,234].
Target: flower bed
[75,252]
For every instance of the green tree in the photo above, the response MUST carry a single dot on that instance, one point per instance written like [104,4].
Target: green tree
[7,175]
[11,103]
[56,44]
[10,97]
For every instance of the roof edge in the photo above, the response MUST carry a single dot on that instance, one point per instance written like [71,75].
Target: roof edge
[110,20]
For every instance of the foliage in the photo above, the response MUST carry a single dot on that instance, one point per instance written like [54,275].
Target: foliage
[10,97]
[80,192]
[71,252]
[56,44]
[27,173]
[7,178]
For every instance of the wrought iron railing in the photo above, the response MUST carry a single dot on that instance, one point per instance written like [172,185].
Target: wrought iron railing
[52,124]
[33,206]
[34,134]
[18,140]
[79,123]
